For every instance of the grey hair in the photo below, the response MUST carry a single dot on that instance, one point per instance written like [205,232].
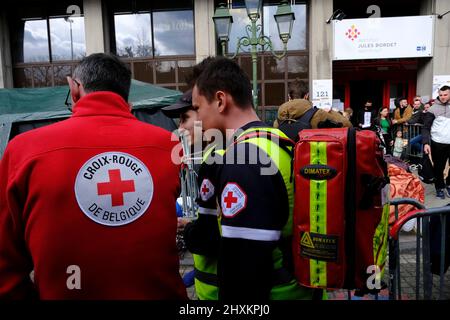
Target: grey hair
[104,72]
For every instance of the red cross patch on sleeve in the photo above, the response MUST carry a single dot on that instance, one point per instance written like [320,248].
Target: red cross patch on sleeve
[233,200]
[206,190]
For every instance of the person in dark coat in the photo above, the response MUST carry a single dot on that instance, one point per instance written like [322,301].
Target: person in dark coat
[366,116]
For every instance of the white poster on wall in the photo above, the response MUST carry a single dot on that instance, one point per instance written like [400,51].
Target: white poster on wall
[322,93]
[337,105]
[439,82]
[392,104]
[381,38]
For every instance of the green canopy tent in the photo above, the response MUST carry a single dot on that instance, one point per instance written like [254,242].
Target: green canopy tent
[25,109]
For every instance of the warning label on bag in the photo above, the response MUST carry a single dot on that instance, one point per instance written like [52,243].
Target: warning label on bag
[319,246]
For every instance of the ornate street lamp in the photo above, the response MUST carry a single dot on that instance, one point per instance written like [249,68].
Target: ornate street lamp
[70,21]
[253,8]
[222,21]
[284,18]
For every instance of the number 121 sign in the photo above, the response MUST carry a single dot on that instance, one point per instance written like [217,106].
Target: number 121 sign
[322,93]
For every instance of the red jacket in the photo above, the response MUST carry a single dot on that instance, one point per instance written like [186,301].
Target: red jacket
[89,204]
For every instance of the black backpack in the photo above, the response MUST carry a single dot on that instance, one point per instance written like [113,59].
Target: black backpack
[291,129]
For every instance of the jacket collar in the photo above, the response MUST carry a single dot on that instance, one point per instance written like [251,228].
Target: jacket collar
[239,132]
[252,125]
[440,103]
[102,103]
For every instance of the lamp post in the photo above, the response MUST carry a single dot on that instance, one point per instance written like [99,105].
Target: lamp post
[70,21]
[284,18]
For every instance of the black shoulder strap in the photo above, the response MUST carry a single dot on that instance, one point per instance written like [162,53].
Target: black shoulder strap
[285,143]
[307,116]
[350,208]
[304,122]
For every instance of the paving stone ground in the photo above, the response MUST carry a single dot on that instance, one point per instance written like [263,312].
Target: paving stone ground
[407,276]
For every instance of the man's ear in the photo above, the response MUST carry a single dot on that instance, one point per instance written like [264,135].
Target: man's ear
[75,90]
[222,101]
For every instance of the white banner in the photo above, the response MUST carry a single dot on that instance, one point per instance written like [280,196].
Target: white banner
[380,38]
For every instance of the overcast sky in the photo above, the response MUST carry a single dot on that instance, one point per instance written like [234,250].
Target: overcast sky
[174,32]
[174,35]
[35,41]
[298,38]
[296,42]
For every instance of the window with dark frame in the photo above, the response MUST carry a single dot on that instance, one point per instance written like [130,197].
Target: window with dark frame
[157,40]
[46,41]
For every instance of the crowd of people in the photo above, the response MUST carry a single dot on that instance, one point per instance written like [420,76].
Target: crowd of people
[424,125]
[87,205]
[394,127]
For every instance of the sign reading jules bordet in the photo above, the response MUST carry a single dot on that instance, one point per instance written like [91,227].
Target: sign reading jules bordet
[380,38]
[114,188]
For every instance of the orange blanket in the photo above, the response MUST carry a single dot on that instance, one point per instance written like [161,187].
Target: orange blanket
[404,185]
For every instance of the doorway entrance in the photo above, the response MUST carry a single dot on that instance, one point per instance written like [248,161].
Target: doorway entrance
[382,81]
[361,91]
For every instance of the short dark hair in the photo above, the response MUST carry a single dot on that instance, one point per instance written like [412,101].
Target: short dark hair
[197,71]
[104,72]
[224,74]
[444,88]
[298,89]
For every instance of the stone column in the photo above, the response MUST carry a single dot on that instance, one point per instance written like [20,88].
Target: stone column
[440,63]
[6,74]
[93,24]
[205,38]
[320,40]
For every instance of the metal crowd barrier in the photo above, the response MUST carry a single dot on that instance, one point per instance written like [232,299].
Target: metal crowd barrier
[189,190]
[411,131]
[188,177]
[423,274]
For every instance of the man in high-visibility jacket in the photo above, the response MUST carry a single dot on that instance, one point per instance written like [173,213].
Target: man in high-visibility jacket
[197,233]
[203,235]
[253,188]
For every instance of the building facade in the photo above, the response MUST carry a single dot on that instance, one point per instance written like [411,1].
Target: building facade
[41,42]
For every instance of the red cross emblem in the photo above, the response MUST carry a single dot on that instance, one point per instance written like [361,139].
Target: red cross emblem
[229,199]
[206,190]
[234,200]
[116,187]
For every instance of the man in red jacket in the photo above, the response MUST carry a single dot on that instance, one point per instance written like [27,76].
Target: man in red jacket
[87,203]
